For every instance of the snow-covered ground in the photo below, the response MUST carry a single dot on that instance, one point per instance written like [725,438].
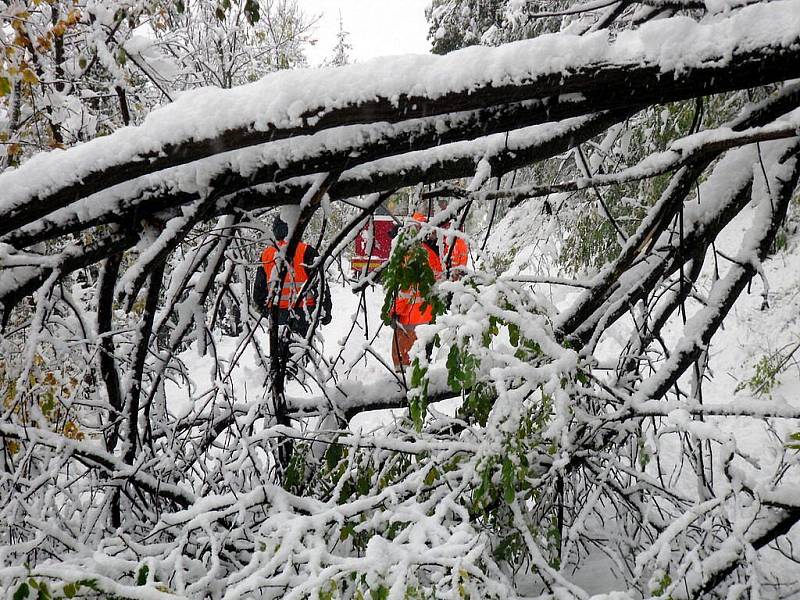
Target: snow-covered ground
[342,344]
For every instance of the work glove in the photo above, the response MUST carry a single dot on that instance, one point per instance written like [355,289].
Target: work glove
[326,318]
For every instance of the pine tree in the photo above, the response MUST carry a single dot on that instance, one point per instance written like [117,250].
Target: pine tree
[343,47]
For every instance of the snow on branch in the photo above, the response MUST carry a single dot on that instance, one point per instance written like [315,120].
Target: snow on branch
[164,435]
[661,61]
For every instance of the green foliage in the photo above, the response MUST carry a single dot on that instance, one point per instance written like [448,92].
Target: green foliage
[357,587]
[379,593]
[408,269]
[22,592]
[328,592]
[298,471]
[418,400]
[141,576]
[478,403]
[591,241]
[590,245]
[499,262]
[463,368]
[781,240]
[38,589]
[333,455]
[505,477]
[663,583]
[765,376]
[456,24]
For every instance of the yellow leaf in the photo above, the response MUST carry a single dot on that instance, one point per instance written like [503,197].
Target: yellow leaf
[73,16]
[43,43]
[29,76]
[72,431]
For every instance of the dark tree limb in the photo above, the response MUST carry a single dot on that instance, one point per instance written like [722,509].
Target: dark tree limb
[96,456]
[279,340]
[108,369]
[143,344]
[68,262]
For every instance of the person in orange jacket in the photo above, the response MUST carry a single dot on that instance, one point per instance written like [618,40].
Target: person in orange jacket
[294,309]
[456,255]
[409,308]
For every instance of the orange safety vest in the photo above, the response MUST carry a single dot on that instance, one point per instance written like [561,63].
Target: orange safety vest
[408,304]
[296,277]
[460,254]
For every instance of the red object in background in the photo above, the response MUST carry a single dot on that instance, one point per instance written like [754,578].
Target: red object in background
[373,244]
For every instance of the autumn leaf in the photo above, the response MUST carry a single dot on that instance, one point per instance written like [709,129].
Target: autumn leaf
[29,76]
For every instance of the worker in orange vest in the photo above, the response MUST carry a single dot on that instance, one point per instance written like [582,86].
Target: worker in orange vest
[409,308]
[456,255]
[295,306]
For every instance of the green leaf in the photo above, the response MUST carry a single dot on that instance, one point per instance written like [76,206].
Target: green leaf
[327,594]
[70,590]
[88,583]
[333,455]
[364,483]
[294,472]
[431,476]
[252,11]
[5,86]
[22,592]
[416,411]
[141,576]
[417,374]
[44,592]
[507,474]
[454,372]
[379,593]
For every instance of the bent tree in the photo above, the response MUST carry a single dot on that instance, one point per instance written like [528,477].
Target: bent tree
[567,448]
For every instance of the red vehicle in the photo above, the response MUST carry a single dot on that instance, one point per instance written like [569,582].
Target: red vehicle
[373,243]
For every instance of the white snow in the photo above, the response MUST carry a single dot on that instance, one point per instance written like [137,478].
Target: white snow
[282,99]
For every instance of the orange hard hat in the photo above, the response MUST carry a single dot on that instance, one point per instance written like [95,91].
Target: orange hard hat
[418,216]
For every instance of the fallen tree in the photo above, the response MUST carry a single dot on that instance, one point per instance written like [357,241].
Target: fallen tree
[550,456]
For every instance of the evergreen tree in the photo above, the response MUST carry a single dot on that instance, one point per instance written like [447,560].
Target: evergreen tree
[343,47]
